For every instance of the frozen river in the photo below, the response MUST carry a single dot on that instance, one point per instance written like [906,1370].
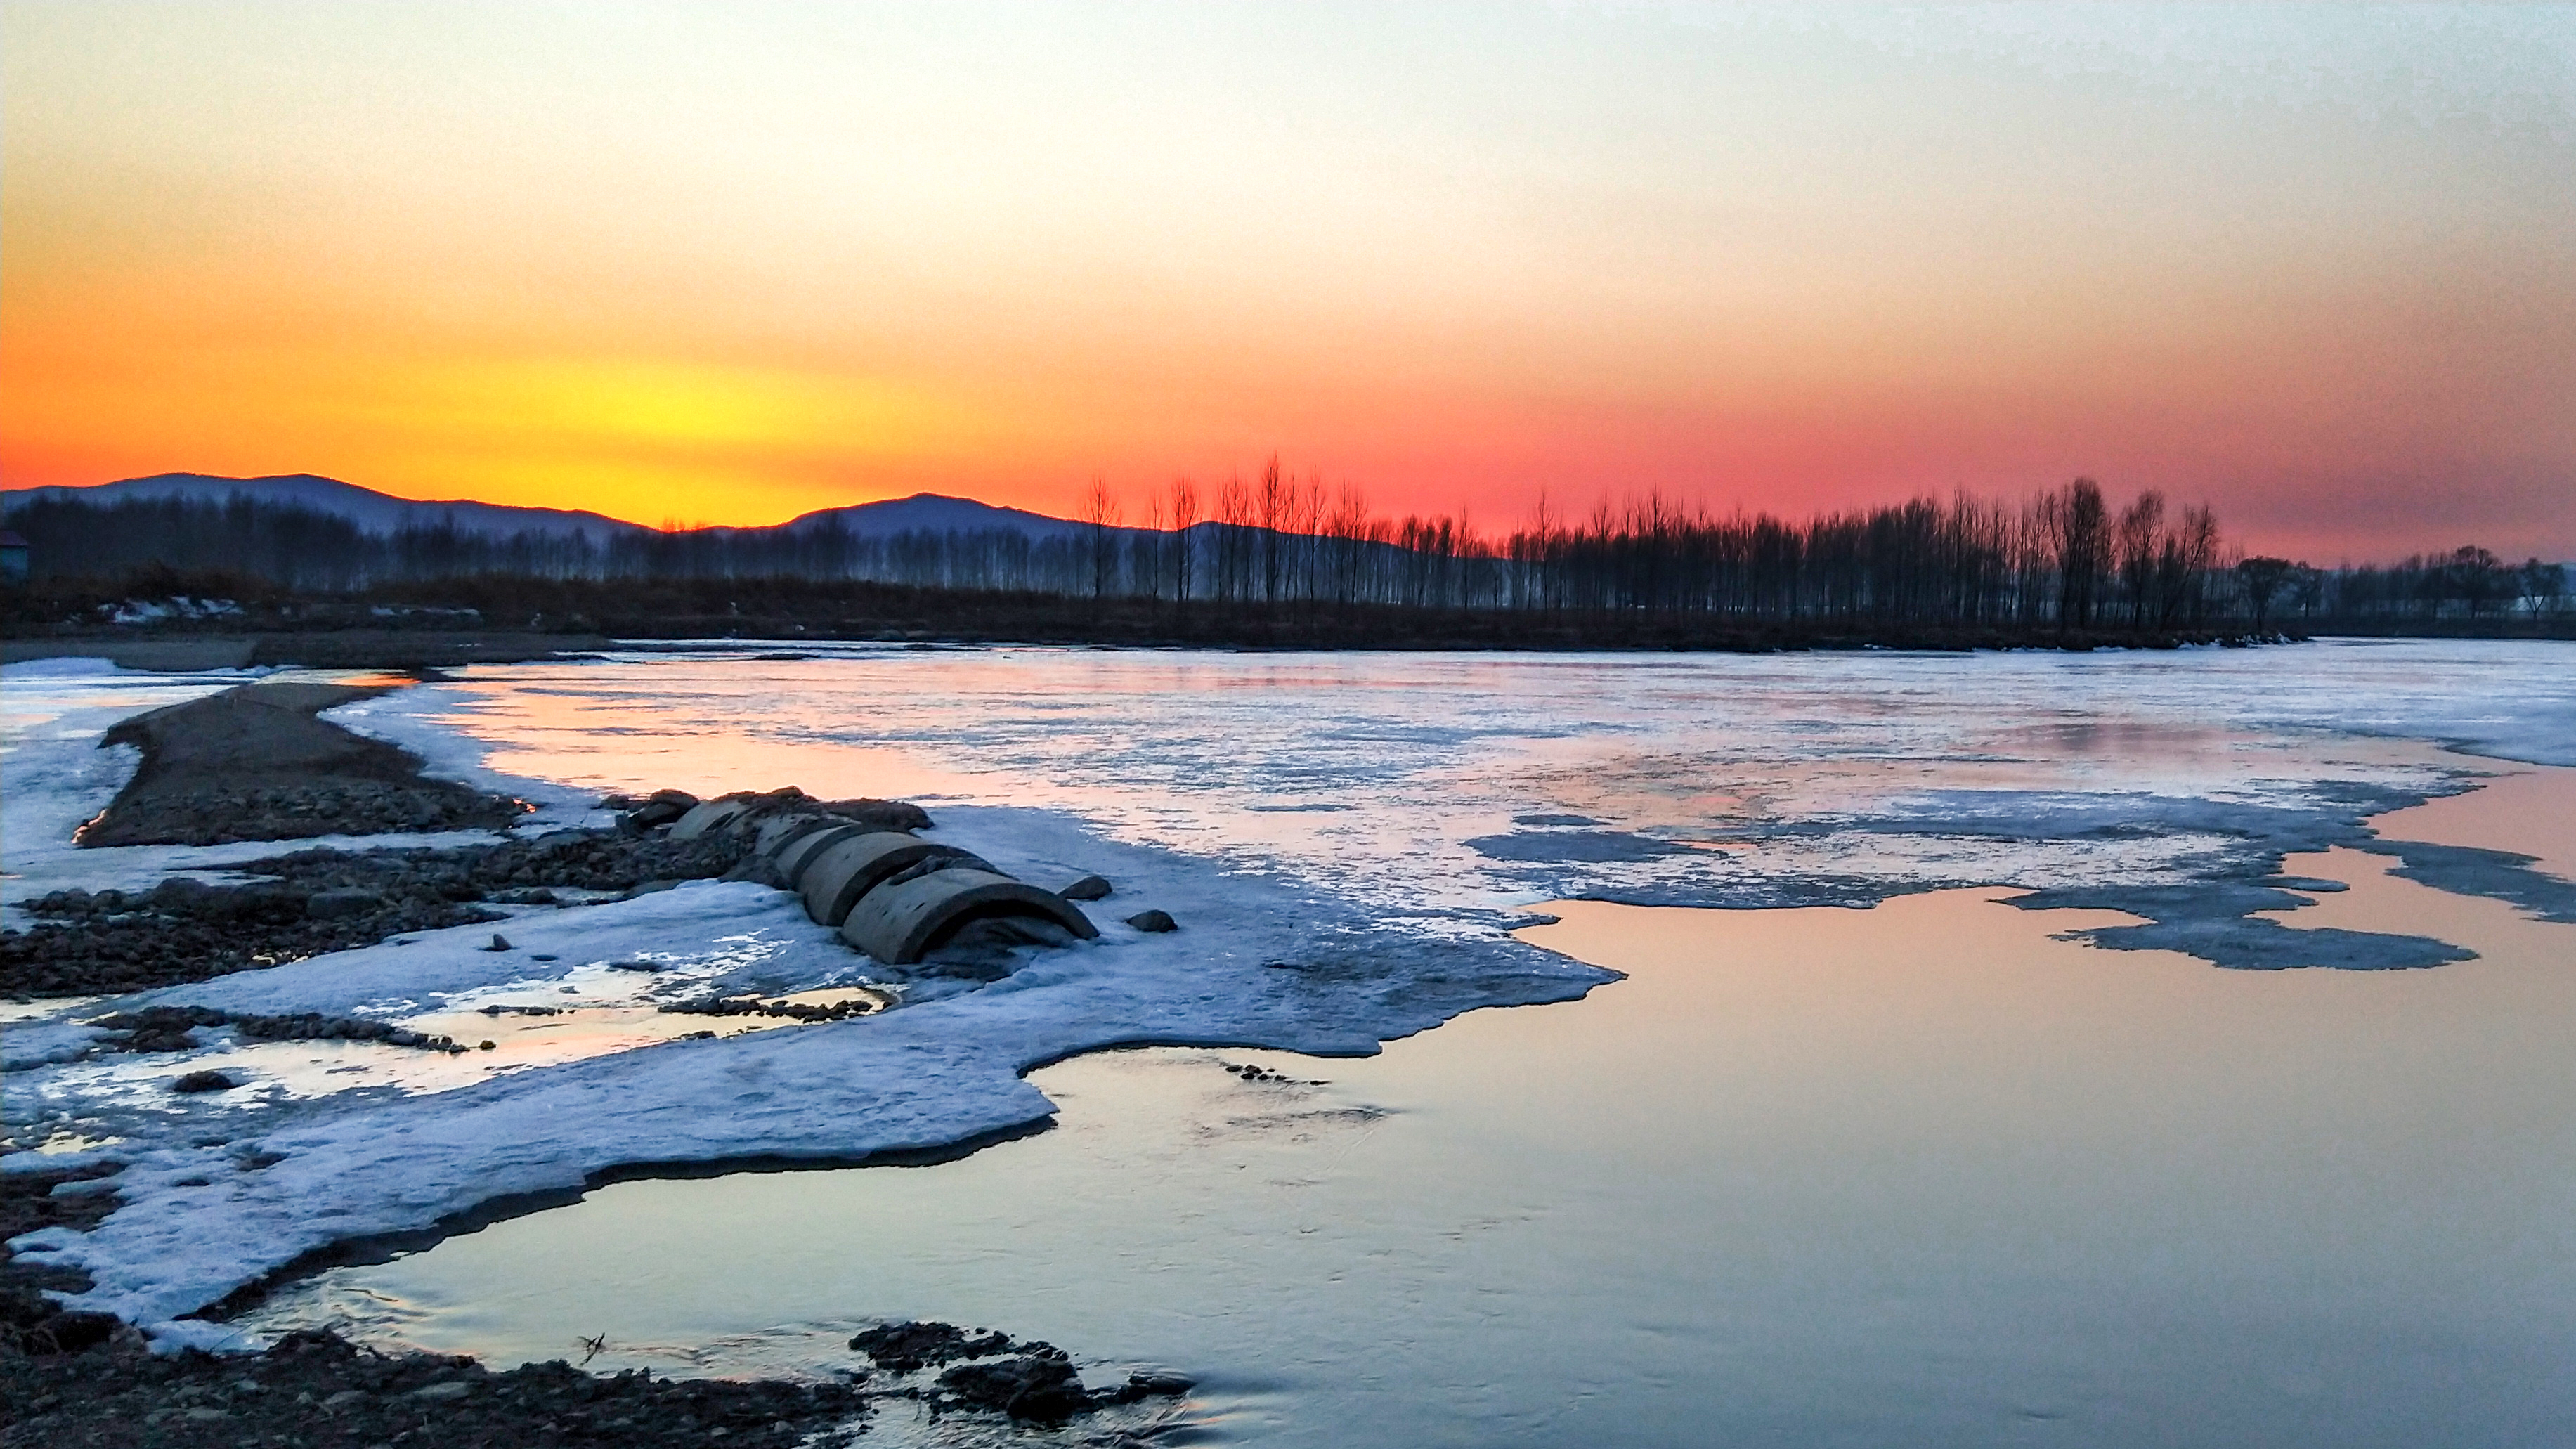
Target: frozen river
[1874,1143]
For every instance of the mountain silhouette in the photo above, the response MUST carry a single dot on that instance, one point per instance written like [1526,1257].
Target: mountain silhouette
[384,513]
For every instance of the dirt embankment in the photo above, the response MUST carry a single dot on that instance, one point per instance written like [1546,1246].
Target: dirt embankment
[254,763]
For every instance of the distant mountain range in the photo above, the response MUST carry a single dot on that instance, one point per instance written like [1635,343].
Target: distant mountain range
[383,513]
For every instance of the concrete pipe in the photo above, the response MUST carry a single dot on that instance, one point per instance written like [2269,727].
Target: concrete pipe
[781,829]
[834,880]
[802,851]
[902,922]
[709,815]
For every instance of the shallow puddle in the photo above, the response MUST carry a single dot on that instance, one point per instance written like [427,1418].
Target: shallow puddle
[1922,1174]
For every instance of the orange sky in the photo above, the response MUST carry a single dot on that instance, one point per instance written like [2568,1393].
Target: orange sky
[2317,265]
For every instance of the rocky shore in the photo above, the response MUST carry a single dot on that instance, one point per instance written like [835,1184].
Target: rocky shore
[316,1390]
[311,902]
[257,763]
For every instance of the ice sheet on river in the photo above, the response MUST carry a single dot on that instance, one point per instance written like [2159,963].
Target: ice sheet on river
[1345,840]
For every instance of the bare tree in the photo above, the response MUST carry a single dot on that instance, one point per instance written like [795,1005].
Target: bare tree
[1233,539]
[2140,529]
[1185,516]
[1099,514]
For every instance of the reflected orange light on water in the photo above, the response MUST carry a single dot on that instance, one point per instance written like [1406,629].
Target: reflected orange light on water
[619,739]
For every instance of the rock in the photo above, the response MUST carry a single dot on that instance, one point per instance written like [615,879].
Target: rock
[880,814]
[1089,888]
[663,807]
[1039,1386]
[1153,922]
[904,1347]
[499,943]
[331,905]
[75,1329]
[205,1081]
[452,1389]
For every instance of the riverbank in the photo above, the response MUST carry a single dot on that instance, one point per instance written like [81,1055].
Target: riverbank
[229,621]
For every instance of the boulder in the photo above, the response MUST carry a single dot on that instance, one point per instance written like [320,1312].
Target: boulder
[1089,888]
[881,814]
[1039,1386]
[662,807]
[1153,923]
[903,921]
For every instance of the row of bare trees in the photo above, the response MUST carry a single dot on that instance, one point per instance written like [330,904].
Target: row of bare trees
[2064,556]
[2068,557]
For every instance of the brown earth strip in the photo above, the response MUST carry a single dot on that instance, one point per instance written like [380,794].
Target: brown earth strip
[187,652]
[254,763]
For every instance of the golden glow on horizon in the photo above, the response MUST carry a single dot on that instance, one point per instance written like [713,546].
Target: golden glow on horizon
[739,265]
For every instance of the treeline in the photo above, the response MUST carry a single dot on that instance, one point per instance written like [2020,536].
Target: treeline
[2069,559]
[306,549]
[2468,586]
[2063,557]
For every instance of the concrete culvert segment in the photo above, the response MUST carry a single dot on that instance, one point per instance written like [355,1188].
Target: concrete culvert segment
[710,815]
[804,850]
[834,880]
[900,923]
[778,831]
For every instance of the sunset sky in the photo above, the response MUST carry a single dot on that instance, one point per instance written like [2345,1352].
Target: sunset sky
[732,263]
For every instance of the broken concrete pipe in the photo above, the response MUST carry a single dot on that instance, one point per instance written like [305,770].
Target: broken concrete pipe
[901,921]
[891,894]
[803,849]
[712,815]
[833,881]
[775,830]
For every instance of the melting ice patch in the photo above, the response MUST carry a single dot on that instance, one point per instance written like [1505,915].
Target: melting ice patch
[1344,839]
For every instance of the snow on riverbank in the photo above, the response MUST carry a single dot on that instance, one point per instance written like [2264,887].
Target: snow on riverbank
[1343,838]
